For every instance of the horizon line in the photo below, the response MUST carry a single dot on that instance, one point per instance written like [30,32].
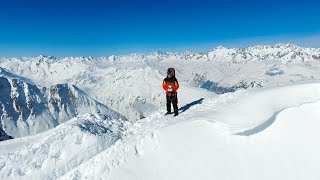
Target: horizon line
[165,51]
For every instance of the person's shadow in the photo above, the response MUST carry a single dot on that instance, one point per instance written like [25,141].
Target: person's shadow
[188,106]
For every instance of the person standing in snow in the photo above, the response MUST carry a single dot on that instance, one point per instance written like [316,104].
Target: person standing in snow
[170,85]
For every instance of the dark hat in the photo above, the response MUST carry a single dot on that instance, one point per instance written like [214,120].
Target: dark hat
[171,72]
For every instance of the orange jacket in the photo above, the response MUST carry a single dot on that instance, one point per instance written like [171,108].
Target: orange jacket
[170,85]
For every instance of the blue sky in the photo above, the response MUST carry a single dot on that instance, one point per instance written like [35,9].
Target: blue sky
[102,28]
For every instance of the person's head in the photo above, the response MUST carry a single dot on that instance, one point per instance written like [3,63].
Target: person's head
[170,72]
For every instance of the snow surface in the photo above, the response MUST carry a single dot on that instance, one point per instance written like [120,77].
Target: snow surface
[57,151]
[268,133]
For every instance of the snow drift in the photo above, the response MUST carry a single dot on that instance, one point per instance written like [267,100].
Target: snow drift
[53,153]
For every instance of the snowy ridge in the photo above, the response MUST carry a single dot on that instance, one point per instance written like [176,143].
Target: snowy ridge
[8,74]
[27,109]
[281,52]
[199,143]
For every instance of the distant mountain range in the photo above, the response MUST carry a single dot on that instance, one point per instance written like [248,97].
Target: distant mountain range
[283,52]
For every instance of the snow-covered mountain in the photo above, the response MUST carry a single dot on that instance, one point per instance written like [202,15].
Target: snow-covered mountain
[27,109]
[4,136]
[131,84]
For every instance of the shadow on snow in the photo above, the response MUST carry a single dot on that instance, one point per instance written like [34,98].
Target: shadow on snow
[188,106]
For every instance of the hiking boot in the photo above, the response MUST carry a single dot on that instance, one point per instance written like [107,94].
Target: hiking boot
[176,113]
[168,113]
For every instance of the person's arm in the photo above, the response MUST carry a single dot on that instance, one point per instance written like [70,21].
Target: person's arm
[164,85]
[176,85]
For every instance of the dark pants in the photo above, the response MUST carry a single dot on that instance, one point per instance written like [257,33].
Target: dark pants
[174,101]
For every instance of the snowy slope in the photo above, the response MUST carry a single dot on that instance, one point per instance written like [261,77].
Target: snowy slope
[201,144]
[268,133]
[28,109]
[57,151]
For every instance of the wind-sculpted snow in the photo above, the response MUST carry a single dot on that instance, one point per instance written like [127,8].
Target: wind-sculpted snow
[52,154]
[244,110]
[201,144]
